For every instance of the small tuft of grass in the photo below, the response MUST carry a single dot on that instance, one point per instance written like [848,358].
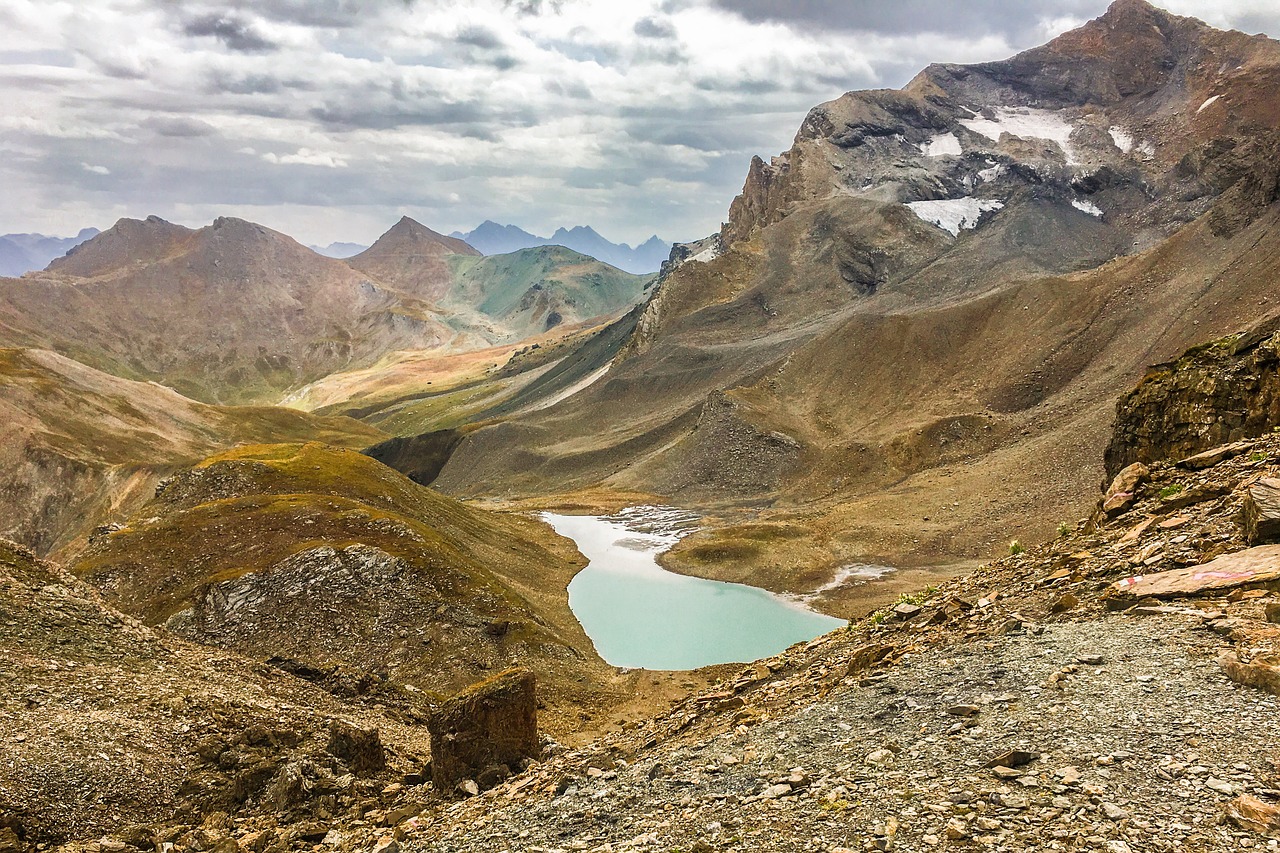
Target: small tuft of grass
[1063,528]
[1259,456]
[1015,548]
[1171,490]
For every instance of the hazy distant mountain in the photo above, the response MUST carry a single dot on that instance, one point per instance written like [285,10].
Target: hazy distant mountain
[339,250]
[413,258]
[21,253]
[232,312]
[494,239]
[510,294]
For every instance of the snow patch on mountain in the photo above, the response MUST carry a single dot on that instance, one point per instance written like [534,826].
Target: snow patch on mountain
[1122,138]
[1028,123]
[953,214]
[1087,207]
[991,172]
[942,145]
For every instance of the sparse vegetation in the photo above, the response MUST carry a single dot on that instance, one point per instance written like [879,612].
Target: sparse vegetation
[917,597]
[1171,490]
[1016,548]
[1063,528]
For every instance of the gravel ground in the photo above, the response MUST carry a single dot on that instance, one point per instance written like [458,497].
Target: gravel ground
[1136,750]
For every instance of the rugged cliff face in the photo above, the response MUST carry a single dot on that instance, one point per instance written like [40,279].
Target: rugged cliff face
[1216,393]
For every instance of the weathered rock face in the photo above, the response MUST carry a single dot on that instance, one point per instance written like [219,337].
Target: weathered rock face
[1216,393]
[361,749]
[1260,511]
[484,732]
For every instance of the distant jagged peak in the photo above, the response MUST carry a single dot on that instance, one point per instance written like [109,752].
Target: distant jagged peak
[492,238]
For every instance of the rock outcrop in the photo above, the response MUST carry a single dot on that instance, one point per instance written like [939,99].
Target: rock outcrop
[346,573]
[484,733]
[1216,393]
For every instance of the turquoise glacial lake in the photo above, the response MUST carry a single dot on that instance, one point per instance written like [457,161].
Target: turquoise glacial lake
[641,616]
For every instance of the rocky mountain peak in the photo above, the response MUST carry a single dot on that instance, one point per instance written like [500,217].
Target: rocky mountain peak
[413,258]
[127,242]
[1095,119]
[412,237]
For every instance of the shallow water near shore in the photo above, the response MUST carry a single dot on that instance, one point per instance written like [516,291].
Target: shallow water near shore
[641,616]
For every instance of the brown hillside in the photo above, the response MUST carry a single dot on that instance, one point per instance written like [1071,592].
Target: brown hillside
[331,560]
[411,257]
[79,448]
[233,312]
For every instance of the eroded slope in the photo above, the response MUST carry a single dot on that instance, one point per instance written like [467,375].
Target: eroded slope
[333,561]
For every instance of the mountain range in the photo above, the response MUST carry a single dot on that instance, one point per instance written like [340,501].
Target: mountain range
[235,312]
[21,253]
[494,239]
[905,343]
[339,250]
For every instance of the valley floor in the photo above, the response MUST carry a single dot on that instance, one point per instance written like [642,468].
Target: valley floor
[1040,702]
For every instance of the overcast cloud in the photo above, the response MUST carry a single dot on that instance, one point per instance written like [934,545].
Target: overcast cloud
[328,119]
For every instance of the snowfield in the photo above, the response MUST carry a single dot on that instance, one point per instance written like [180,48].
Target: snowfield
[942,145]
[1027,123]
[953,214]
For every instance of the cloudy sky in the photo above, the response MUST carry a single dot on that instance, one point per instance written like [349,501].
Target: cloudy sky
[328,119]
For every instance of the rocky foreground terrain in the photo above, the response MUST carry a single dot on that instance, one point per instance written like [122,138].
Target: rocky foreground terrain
[1113,689]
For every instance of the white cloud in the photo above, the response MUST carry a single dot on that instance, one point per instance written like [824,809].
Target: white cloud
[97,170]
[306,157]
[632,117]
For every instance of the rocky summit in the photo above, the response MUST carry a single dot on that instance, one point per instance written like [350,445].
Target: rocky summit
[986,367]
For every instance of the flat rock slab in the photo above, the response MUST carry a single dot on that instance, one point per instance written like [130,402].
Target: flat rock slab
[1212,457]
[1250,566]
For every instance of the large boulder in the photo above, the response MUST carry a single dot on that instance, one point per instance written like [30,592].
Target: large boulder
[1123,490]
[360,749]
[485,731]
[1260,511]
